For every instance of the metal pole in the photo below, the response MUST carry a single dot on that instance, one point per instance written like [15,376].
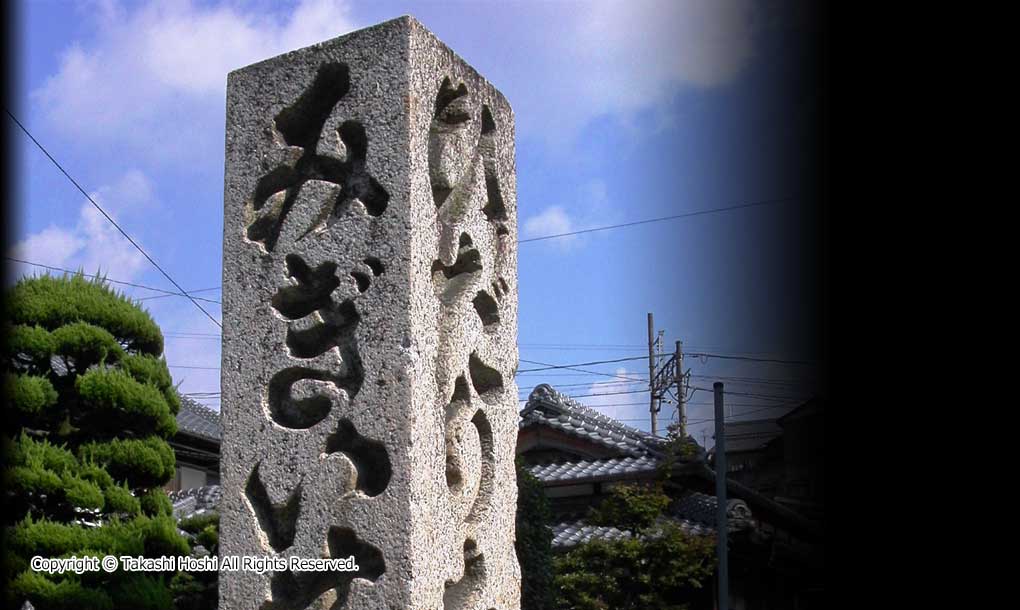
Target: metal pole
[651,370]
[679,375]
[721,525]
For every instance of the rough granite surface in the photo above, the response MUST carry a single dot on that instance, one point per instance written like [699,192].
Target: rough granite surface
[369,327]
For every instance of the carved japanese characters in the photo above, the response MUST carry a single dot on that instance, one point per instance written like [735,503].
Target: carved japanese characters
[370,312]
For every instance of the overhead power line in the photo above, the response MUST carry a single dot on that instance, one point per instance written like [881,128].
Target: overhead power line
[567,366]
[570,367]
[112,221]
[752,411]
[168,293]
[663,218]
[748,358]
[174,294]
[595,384]
[608,393]
[753,395]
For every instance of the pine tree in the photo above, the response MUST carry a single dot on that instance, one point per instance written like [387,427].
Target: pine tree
[89,406]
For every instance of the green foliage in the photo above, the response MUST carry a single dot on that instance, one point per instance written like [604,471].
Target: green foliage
[197,523]
[195,591]
[55,301]
[119,499]
[631,508]
[155,502]
[534,542]
[34,344]
[82,493]
[85,344]
[115,398]
[25,480]
[144,591]
[666,569]
[161,537]
[658,566]
[51,539]
[147,462]
[150,370]
[209,537]
[97,475]
[27,451]
[68,594]
[678,449]
[91,404]
[199,590]
[29,394]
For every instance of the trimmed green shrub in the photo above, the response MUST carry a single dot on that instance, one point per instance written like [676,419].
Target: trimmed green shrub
[659,566]
[91,405]
[29,394]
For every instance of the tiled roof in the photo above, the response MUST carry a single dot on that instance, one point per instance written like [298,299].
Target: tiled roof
[694,512]
[572,532]
[199,420]
[197,500]
[700,508]
[548,407]
[588,469]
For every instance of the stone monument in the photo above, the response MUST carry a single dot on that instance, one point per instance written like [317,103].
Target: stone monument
[369,328]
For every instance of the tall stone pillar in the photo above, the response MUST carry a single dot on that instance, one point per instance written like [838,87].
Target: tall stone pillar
[369,328]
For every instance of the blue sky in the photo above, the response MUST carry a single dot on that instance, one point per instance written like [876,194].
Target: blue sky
[625,111]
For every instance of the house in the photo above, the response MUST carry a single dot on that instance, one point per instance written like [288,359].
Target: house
[579,455]
[197,447]
[782,459]
[776,553]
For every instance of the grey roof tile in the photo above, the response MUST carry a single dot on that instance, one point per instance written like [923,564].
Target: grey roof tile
[572,532]
[587,469]
[548,407]
[195,501]
[199,420]
[701,508]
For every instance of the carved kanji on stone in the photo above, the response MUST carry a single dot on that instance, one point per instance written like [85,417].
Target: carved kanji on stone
[370,319]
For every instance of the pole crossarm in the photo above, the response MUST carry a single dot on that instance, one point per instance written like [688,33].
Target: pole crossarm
[664,378]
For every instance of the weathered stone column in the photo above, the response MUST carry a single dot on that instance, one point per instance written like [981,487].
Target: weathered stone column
[369,327]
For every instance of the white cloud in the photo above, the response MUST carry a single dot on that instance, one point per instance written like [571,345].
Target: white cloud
[93,243]
[553,220]
[640,48]
[154,77]
[52,246]
[609,401]
[591,210]
[618,59]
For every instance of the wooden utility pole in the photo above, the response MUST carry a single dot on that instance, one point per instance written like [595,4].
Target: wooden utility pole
[721,525]
[679,376]
[651,371]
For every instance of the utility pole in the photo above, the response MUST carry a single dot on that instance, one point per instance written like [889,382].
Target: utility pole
[721,525]
[651,370]
[663,376]
[679,376]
